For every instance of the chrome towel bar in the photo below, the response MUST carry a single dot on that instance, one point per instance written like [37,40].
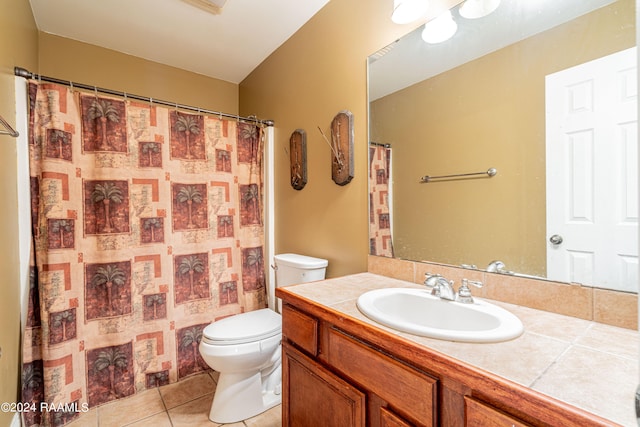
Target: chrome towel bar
[490,172]
[8,130]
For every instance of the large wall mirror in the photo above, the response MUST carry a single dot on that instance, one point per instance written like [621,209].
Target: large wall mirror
[544,92]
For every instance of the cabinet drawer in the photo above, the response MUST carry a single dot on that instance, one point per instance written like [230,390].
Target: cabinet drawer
[409,392]
[300,329]
[478,414]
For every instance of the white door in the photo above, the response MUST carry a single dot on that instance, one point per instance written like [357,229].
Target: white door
[592,173]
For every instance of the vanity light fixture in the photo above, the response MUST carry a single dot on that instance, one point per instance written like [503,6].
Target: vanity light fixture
[440,29]
[473,9]
[405,11]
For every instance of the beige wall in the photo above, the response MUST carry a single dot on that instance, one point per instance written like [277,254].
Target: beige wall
[68,59]
[499,123]
[319,71]
[18,46]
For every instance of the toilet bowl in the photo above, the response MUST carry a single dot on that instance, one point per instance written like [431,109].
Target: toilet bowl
[246,349]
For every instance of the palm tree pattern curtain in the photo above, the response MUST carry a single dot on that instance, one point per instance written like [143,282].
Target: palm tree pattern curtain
[380,242]
[147,226]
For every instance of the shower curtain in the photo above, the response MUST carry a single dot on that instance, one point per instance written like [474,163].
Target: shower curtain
[147,225]
[380,242]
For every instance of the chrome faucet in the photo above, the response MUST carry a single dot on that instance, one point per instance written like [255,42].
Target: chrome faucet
[443,288]
[440,286]
[495,266]
[498,267]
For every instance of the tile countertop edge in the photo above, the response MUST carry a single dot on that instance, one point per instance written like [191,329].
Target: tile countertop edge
[321,300]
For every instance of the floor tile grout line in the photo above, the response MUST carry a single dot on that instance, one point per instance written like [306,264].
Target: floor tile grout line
[177,384]
[150,416]
[166,409]
[164,405]
[191,400]
[117,403]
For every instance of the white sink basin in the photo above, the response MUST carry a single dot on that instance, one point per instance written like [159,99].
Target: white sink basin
[418,312]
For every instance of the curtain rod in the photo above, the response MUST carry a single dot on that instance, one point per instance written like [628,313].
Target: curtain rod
[21,72]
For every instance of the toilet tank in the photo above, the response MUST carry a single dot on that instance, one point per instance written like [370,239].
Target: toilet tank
[292,269]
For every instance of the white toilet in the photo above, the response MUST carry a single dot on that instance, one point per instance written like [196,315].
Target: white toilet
[245,349]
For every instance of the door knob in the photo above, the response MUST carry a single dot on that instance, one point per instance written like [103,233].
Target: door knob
[556,239]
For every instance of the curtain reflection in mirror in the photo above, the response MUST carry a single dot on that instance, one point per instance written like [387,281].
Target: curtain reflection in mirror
[379,200]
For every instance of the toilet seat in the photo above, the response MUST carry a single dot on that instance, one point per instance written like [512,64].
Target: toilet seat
[243,328]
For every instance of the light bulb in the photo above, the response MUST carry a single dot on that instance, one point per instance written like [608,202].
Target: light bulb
[440,29]
[405,11]
[472,9]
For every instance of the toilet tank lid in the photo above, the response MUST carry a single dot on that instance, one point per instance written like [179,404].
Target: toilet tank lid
[300,261]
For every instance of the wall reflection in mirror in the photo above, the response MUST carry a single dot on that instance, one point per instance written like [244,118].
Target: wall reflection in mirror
[545,92]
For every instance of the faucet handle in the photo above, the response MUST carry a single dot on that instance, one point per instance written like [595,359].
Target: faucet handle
[430,280]
[476,283]
[464,293]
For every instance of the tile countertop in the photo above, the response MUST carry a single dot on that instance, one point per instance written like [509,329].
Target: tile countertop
[586,364]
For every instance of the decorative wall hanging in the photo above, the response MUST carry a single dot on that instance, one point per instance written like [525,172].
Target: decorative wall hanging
[298,158]
[342,148]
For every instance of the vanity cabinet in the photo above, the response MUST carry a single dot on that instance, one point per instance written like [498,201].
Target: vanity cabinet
[345,382]
[340,371]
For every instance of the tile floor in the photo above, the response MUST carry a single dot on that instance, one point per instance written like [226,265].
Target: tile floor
[185,403]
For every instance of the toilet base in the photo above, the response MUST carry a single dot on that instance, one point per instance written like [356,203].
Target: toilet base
[239,396]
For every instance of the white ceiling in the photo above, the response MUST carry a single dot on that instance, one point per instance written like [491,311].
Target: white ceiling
[227,46]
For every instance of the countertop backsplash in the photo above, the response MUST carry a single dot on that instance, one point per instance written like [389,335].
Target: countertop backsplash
[599,305]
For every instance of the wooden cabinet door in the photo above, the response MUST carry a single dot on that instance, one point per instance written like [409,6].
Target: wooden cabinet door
[478,414]
[314,397]
[389,419]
